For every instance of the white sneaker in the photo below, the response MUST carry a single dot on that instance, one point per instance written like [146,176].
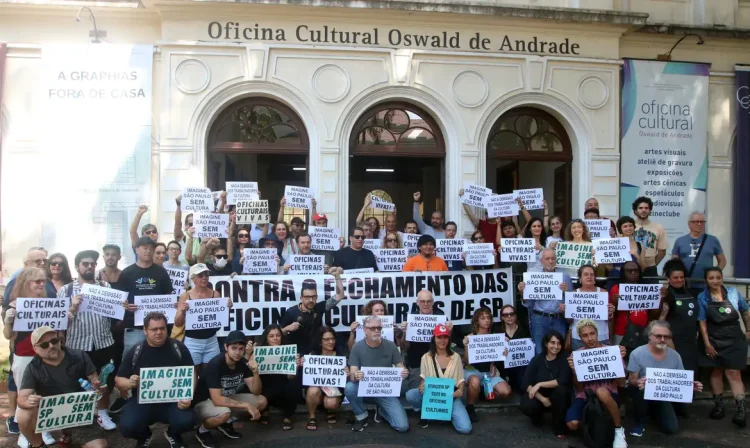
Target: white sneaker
[22,441]
[620,441]
[48,439]
[105,421]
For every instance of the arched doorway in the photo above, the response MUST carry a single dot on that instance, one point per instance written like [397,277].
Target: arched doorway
[395,149]
[529,148]
[260,140]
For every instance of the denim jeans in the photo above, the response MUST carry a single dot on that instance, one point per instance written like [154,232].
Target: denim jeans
[136,419]
[390,407]
[133,337]
[459,417]
[541,325]
[662,410]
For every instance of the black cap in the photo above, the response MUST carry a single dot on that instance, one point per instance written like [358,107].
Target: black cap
[425,239]
[145,241]
[235,337]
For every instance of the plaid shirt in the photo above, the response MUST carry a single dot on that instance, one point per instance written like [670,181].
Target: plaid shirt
[86,331]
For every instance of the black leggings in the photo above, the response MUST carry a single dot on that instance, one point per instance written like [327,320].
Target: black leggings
[283,395]
[560,398]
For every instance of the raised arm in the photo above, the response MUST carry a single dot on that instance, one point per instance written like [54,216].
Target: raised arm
[416,214]
[361,215]
[469,212]
[189,247]
[282,205]
[333,301]
[142,209]
[546,216]
[230,240]
[178,233]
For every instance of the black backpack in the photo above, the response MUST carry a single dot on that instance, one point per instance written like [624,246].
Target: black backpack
[598,427]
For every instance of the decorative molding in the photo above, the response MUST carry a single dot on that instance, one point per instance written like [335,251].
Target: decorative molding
[474,83]
[720,164]
[330,83]
[587,84]
[257,61]
[192,76]
[401,61]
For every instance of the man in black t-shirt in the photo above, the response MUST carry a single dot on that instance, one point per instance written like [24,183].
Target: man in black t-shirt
[415,350]
[216,397]
[355,256]
[158,350]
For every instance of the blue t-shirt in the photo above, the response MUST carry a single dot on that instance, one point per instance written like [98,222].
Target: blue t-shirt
[734,297]
[686,247]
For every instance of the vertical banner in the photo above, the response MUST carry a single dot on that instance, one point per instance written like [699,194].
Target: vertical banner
[96,102]
[663,146]
[741,167]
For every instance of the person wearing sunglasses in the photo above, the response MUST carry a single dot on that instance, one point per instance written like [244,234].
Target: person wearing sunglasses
[58,270]
[148,230]
[54,370]
[35,258]
[478,238]
[513,330]
[697,251]
[392,240]
[355,256]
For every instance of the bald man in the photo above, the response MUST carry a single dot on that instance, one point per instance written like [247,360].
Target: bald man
[35,258]
[591,203]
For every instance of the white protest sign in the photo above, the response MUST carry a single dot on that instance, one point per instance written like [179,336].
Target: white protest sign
[207,313]
[475,195]
[252,212]
[32,313]
[381,204]
[390,260]
[306,264]
[480,254]
[241,191]
[520,353]
[612,250]
[166,384]
[105,302]
[260,261]
[518,250]
[325,238]
[359,271]
[542,286]
[450,249]
[372,243]
[586,305]
[179,277]
[603,363]
[669,385]
[299,197]
[410,242]
[635,297]
[573,255]
[386,322]
[211,225]
[501,205]
[149,304]
[324,371]
[532,198]
[277,359]
[598,228]
[419,327]
[197,200]
[65,411]
[487,347]
[380,382]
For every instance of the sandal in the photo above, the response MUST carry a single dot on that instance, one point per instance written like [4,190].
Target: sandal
[332,417]
[312,424]
[263,420]
[286,425]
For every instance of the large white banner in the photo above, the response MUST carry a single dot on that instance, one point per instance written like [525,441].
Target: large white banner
[664,128]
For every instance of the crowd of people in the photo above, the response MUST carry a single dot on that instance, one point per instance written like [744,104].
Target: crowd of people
[699,324]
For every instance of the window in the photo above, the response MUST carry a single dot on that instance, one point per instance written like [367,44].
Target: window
[291,213]
[377,213]
[529,134]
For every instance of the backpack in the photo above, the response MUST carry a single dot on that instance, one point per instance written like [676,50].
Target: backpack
[598,427]
[139,348]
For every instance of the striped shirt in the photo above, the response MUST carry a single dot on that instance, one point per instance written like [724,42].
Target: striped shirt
[86,331]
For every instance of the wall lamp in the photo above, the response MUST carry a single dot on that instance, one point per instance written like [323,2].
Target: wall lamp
[668,55]
[94,34]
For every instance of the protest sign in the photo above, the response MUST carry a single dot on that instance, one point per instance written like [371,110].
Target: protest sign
[437,400]
[166,384]
[410,242]
[260,300]
[32,313]
[179,277]
[241,191]
[586,305]
[638,297]
[419,327]
[518,250]
[501,205]
[669,385]
[520,353]
[260,261]
[306,264]
[603,363]
[380,382]
[372,243]
[359,271]
[480,254]
[612,250]
[160,304]
[252,212]
[197,200]
[542,286]
[325,238]
[105,302]
[207,313]
[450,249]
[211,225]
[276,359]
[324,371]
[65,411]
[573,255]
[598,228]
[381,204]
[390,260]
[385,321]
[487,347]
[299,197]
[475,195]
[532,198]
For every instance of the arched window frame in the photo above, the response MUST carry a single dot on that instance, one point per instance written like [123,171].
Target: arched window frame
[566,155]
[378,213]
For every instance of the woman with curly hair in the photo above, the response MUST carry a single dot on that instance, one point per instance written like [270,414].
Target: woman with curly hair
[392,240]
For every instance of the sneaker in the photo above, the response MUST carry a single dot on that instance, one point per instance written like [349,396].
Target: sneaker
[205,438]
[174,441]
[377,417]
[423,423]
[48,439]
[620,441]
[12,425]
[143,443]
[22,441]
[359,425]
[105,421]
[228,430]
[117,406]
[472,413]
[637,430]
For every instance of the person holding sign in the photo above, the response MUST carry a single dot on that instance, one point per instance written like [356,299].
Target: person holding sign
[478,238]
[181,232]
[330,397]
[587,277]
[355,256]
[535,229]
[55,370]
[280,390]
[655,354]
[651,235]
[629,323]
[415,350]
[239,240]
[723,345]
[425,260]
[281,232]
[513,331]
[375,307]
[451,228]
[392,240]
[626,228]
[216,256]
[216,394]
[442,362]
[436,229]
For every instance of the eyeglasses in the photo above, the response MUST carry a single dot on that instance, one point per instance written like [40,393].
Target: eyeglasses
[88,264]
[45,345]
[176,248]
[508,314]
[203,274]
[425,302]
[39,281]
[662,336]
[358,237]
[391,240]
[157,329]
[375,329]
[39,262]
[56,263]
[697,222]
[243,235]
[221,257]
[477,238]
[150,232]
